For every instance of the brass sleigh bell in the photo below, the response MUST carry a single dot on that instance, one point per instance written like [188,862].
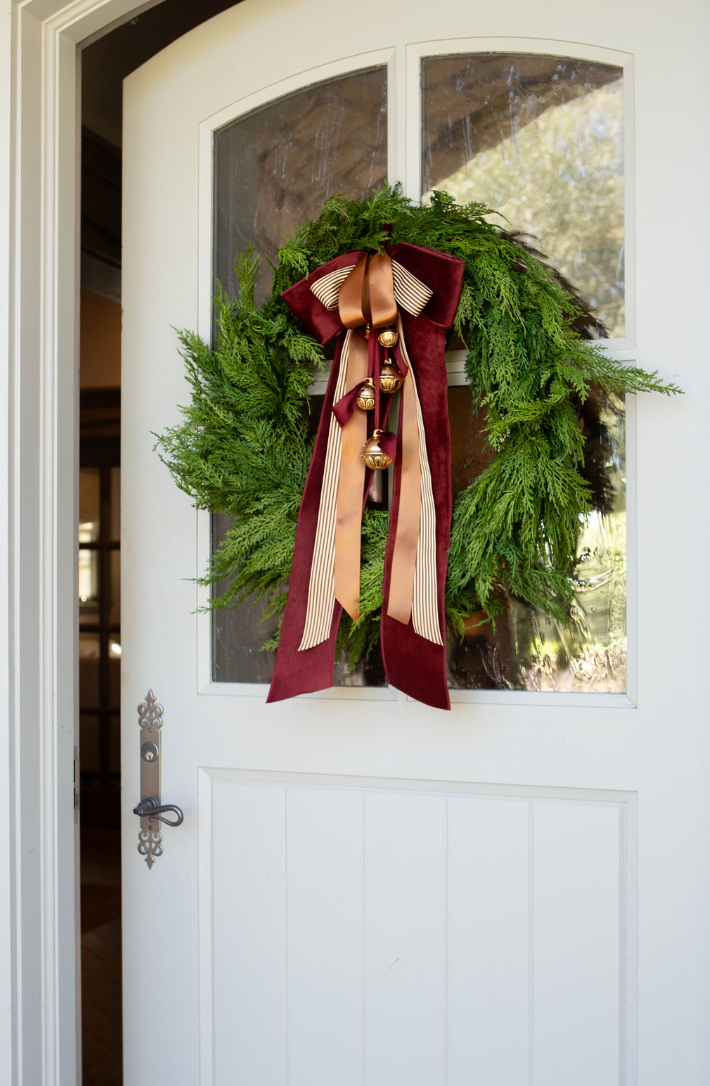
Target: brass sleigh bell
[373,454]
[366,396]
[390,378]
[388,337]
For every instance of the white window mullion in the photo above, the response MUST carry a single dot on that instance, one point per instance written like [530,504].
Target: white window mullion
[411,64]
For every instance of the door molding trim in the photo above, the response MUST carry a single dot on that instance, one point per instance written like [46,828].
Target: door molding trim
[533,795]
[43,1043]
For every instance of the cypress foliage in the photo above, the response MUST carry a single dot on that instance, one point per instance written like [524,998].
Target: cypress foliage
[243,447]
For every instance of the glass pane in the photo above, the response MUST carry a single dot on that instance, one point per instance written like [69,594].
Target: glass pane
[114,612]
[273,169]
[89,504]
[88,587]
[540,139]
[529,650]
[89,660]
[115,736]
[239,633]
[114,680]
[89,749]
[115,525]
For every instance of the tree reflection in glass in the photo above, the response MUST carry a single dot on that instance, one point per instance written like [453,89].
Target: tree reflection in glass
[529,650]
[539,139]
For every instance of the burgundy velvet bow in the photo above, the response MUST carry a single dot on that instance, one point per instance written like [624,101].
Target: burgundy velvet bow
[414,664]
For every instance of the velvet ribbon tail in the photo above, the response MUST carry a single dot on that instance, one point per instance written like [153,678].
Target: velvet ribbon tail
[303,671]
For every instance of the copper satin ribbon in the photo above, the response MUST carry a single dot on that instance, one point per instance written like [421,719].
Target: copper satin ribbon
[406,542]
[367,297]
[351,484]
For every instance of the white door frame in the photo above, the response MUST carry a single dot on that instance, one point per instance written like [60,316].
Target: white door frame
[39,130]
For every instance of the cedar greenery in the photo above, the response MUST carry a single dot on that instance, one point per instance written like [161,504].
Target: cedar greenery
[245,443]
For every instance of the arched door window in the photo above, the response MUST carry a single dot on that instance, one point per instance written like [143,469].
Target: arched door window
[540,138]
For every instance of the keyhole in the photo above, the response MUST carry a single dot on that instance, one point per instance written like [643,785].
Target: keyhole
[149,752]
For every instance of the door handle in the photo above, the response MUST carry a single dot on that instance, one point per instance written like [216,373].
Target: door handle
[150,810]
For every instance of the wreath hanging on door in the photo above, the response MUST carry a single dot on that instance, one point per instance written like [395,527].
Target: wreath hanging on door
[391,282]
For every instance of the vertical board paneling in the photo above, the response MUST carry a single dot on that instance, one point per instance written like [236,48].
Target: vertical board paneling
[488,952]
[577,947]
[389,937]
[404,939]
[249,951]
[324,898]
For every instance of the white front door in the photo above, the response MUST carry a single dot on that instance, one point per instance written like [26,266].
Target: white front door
[365,890]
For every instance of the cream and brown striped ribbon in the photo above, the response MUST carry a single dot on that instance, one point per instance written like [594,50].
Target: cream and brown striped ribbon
[416,574]
[321,587]
[409,292]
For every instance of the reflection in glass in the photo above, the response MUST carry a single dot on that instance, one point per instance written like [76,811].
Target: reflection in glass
[115,745]
[540,139]
[88,585]
[239,633]
[89,504]
[529,650]
[115,526]
[114,682]
[90,744]
[89,657]
[273,169]
[114,610]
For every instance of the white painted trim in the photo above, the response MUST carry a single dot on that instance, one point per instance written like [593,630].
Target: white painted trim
[206,926]
[632,631]
[548,699]
[8,1017]
[510,789]
[335,693]
[38,41]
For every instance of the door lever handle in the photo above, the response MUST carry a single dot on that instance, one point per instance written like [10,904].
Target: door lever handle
[150,808]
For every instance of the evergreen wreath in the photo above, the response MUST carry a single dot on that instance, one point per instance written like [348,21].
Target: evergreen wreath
[244,445]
